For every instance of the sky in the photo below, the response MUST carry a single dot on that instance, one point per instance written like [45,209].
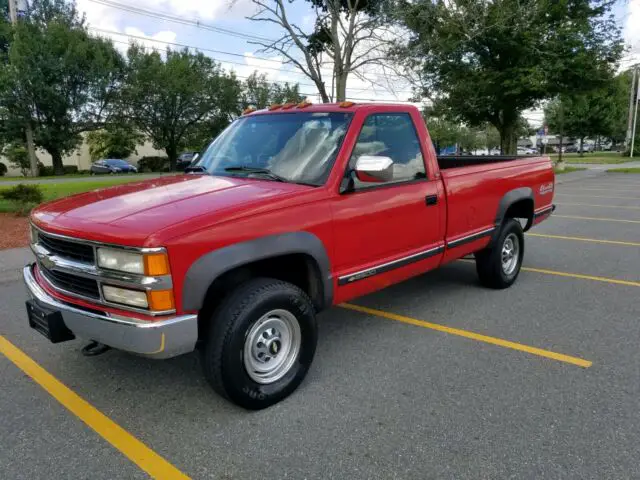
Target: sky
[193,20]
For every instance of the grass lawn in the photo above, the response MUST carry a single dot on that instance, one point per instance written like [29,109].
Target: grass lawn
[596,158]
[51,191]
[624,170]
[66,175]
[569,170]
[26,179]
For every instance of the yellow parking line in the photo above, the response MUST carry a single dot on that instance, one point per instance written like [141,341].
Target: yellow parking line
[593,196]
[599,206]
[583,239]
[614,281]
[131,447]
[471,335]
[583,277]
[603,219]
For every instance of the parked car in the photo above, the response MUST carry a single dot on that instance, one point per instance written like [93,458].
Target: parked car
[526,151]
[296,210]
[112,165]
[185,159]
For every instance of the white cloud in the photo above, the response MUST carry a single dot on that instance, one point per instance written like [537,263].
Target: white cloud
[632,33]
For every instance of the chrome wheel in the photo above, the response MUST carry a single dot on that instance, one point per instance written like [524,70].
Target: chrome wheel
[510,254]
[272,345]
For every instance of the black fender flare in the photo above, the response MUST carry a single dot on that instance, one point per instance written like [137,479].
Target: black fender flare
[508,199]
[203,272]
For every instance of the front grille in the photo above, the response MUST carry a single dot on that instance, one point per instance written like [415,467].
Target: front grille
[66,249]
[68,282]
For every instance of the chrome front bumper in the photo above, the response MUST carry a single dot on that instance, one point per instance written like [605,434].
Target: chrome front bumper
[155,339]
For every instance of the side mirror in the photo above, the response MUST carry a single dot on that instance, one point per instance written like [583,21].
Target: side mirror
[373,168]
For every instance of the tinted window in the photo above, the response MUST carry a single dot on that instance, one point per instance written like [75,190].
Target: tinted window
[393,136]
[299,147]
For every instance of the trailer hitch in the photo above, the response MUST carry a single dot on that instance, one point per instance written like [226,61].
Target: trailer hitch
[94,348]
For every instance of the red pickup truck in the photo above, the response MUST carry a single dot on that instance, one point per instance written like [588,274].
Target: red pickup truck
[289,211]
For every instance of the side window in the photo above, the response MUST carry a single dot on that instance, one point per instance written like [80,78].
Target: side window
[394,136]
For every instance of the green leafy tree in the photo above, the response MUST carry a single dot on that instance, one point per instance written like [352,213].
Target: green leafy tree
[18,157]
[58,78]
[115,141]
[599,112]
[488,60]
[178,100]
[258,92]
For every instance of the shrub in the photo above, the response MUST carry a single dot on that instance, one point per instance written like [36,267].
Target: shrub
[70,169]
[44,171]
[23,194]
[3,169]
[153,164]
[18,157]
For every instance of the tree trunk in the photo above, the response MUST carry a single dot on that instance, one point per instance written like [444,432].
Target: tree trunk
[56,160]
[31,151]
[508,141]
[341,86]
[560,163]
[172,153]
[581,145]
[322,90]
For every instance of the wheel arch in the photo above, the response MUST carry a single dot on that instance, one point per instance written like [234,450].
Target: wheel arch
[516,203]
[278,256]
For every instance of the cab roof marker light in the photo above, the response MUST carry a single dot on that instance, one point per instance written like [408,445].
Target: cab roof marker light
[275,106]
[287,106]
[346,104]
[304,104]
[248,110]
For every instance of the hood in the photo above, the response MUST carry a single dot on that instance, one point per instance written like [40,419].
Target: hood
[127,214]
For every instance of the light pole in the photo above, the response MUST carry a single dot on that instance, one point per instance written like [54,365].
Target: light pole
[18,9]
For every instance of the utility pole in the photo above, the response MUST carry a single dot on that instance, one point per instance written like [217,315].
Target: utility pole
[628,137]
[635,115]
[33,161]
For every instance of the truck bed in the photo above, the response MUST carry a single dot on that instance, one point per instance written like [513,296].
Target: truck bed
[458,161]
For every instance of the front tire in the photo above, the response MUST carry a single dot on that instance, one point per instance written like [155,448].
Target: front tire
[260,343]
[499,265]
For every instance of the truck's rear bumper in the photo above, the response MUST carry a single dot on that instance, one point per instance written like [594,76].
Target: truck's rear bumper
[156,339]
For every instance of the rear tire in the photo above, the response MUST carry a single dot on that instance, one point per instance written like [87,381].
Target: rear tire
[499,265]
[261,343]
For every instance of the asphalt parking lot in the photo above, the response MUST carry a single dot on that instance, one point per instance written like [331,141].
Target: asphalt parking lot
[434,378]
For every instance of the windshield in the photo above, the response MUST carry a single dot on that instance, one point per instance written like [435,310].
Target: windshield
[297,147]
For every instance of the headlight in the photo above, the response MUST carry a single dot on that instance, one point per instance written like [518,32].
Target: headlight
[121,260]
[152,264]
[134,298]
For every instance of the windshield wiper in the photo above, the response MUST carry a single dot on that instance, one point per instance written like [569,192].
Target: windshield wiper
[260,171]
[195,169]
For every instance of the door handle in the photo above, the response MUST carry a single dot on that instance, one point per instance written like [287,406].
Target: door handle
[431,200]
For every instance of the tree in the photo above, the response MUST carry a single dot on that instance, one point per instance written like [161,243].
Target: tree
[595,113]
[487,61]
[18,157]
[179,99]
[115,141]
[347,34]
[58,78]
[258,92]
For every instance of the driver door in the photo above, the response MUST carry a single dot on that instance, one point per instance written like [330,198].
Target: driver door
[386,232]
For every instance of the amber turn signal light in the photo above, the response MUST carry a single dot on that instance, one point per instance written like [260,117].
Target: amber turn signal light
[156,264]
[160,300]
